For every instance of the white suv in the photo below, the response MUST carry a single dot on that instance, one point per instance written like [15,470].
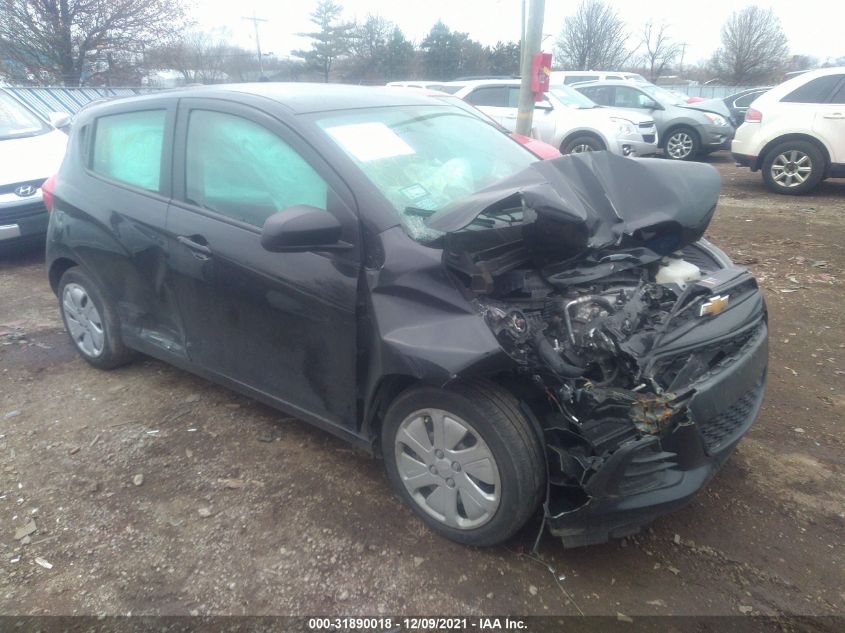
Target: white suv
[567,120]
[795,132]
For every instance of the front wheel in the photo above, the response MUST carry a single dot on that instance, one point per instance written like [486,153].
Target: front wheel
[682,144]
[793,167]
[465,459]
[581,144]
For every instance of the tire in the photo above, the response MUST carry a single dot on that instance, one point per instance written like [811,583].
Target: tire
[784,165]
[681,143]
[91,321]
[582,144]
[502,484]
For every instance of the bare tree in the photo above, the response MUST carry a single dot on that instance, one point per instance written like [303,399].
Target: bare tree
[754,46]
[57,40]
[660,51]
[593,39]
[198,56]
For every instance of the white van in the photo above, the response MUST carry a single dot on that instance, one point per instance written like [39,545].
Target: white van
[570,77]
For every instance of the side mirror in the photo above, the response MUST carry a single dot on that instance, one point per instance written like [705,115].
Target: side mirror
[59,119]
[651,104]
[302,228]
[544,105]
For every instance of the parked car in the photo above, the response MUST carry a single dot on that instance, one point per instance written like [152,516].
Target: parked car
[566,119]
[569,77]
[686,129]
[30,151]
[399,273]
[795,133]
[739,103]
[536,147]
[429,85]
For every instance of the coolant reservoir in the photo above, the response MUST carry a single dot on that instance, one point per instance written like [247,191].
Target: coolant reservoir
[676,271]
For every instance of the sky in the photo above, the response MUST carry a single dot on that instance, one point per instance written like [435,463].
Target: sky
[813,27]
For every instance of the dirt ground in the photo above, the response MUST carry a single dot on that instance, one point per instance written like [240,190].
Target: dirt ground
[155,492]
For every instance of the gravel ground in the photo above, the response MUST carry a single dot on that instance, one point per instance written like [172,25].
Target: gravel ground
[150,491]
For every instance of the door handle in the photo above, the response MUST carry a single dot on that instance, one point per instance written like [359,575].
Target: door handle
[201,251]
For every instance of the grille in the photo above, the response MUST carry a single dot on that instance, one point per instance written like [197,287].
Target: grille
[648,138]
[728,425]
[21,211]
[10,188]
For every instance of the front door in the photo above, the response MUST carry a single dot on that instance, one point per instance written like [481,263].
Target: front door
[281,324]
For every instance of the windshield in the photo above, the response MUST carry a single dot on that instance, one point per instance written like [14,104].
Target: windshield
[662,96]
[572,98]
[16,121]
[422,158]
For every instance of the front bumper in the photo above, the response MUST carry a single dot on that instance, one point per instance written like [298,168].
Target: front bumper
[652,476]
[715,137]
[644,144]
[23,222]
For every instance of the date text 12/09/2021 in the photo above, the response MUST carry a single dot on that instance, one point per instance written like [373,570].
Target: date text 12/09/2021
[416,624]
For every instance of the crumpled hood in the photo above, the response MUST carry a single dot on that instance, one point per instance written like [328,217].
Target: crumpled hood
[593,205]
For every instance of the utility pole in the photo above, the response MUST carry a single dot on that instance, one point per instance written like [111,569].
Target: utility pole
[681,63]
[532,38]
[255,22]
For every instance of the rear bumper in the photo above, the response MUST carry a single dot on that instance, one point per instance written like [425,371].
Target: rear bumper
[652,476]
[744,160]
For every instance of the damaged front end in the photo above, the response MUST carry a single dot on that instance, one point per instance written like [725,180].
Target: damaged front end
[638,346]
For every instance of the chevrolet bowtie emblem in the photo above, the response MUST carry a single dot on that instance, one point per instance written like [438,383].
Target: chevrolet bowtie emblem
[715,305]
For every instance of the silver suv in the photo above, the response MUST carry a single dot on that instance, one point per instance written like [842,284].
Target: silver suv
[686,129]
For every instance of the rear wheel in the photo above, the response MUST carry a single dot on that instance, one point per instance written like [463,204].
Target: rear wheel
[793,167]
[465,459]
[581,144]
[682,144]
[91,321]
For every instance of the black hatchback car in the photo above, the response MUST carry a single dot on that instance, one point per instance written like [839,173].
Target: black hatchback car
[506,332]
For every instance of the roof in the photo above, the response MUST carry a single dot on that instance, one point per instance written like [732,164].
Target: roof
[302,98]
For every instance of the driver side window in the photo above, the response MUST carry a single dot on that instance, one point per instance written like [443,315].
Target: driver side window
[242,170]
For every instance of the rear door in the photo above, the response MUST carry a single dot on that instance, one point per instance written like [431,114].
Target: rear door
[281,324]
[121,238]
[829,122]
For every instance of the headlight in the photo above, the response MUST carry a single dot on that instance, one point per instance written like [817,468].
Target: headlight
[715,119]
[623,126]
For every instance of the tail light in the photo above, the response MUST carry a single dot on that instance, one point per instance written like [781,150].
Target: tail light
[47,191]
[754,116]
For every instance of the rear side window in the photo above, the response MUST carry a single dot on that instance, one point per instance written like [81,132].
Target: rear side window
[239,169]
[577,79]
[127,148]
[815,91]
[493,96]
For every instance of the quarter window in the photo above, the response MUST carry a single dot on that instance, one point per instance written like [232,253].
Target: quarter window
[492,96]
[839,96]
[127,148]
[242,170]
[815,91]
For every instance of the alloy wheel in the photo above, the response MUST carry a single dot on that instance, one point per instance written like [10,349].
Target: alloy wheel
[582,147]
[679,145]
[791,168]
[447,468]
[83,320]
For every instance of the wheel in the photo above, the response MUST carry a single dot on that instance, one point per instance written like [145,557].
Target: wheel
[582,144]
[91,321]
[793,167]
[682,144]
[465,459]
